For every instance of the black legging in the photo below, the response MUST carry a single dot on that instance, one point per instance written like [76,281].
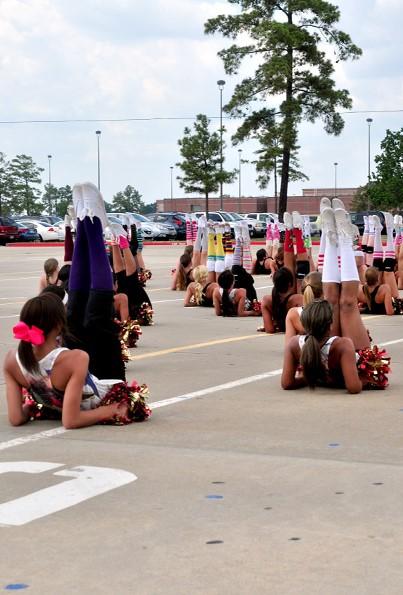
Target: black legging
[90,303]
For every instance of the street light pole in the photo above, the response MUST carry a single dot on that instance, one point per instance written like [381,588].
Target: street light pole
[49,170]
[172,184]
[50,183]
[221,84]
[239,179]
[275,186]
[335,179]
[369,121]
[98,133]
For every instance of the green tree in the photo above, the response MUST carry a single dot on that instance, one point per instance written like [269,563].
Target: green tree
[64,199]
[149,208]
[50,199]
[128,201]
[201,165]
[385,190]
[289,39]
[5,185]
[25,177]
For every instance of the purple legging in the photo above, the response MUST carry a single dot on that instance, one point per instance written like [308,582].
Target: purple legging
[90,268]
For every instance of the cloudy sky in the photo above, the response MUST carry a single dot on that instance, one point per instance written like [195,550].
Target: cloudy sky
[111,59]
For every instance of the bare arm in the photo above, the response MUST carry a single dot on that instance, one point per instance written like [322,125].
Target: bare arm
[293,324]
[188,296]
[72,416]
[217,302]
[17,413]
[349,367]
[240,300]
[387,300]
[121,306]
[290,366]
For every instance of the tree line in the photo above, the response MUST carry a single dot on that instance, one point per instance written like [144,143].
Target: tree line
[21,193]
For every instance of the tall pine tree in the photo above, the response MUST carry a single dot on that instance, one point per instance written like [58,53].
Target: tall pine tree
[289,39]
[201,165]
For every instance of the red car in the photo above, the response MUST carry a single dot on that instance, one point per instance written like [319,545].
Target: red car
[8,230]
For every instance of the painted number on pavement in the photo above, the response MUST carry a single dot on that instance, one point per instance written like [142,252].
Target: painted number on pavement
[86,483]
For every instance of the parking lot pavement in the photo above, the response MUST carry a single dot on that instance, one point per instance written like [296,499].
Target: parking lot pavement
[232,485]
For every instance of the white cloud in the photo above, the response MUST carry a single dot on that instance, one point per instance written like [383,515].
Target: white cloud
[96,59]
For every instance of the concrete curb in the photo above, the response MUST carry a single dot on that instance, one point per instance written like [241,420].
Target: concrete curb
[161,243]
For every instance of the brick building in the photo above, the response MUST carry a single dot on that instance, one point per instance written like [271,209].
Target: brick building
[307,203]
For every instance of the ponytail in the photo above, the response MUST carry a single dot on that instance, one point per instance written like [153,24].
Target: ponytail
[181,279]
[27,357]
[311,361]
[316,319]
[226,282]
[226,305]
[312,288]
[200,275]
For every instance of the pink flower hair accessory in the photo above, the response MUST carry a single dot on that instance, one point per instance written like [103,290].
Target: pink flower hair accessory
[31,334]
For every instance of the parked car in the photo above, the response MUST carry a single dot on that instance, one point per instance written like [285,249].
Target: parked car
[218,217]
[8,230]
[315,229]
[357,218]
[48,221]
[151,230]
[27,232]
[177,220]
[251,224]
[46,232]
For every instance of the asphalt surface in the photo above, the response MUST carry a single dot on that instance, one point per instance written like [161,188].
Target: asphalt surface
[236,486]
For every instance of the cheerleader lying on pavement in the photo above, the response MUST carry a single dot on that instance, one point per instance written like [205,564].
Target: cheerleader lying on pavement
[200,291]
[229,301]
[335,351]
[45,380]
[376,296]
[127,278]
[283,297]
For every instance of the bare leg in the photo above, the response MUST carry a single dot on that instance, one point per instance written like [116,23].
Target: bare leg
[331,293]
[350,318]
[118,264]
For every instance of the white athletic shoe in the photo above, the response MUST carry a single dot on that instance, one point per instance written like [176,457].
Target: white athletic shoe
[93,204]
[297,220]
[388,219]
[328,222]
[377,222]
[343,224]
[287,218]
[338,204]
[324,203]
[116,230]
[78,200]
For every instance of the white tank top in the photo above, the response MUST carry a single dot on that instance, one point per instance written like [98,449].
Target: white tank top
[93,390]
[325,349]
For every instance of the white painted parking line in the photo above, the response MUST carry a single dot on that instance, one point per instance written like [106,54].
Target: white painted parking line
[11,316]
[165,301]
[214,389]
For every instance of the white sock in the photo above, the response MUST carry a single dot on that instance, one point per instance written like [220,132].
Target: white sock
[322,248]
[348,265]
[331,271]
[378,249]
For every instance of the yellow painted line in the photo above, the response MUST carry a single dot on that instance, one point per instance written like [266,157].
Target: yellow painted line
[198,346]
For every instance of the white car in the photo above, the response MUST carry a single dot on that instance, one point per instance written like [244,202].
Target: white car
[151,230]
[46,232]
